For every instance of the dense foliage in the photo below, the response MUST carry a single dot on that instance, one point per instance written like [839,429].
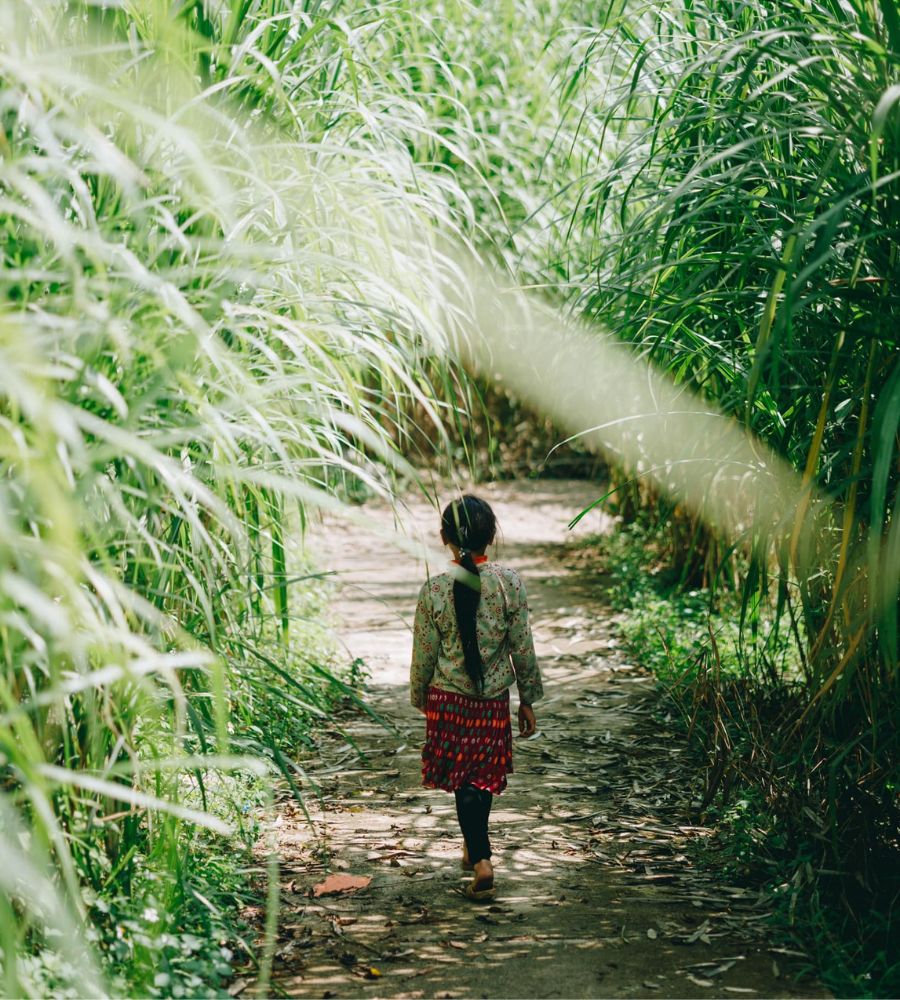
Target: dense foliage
[222,298]
[718,184]
[749,245]
[202,322]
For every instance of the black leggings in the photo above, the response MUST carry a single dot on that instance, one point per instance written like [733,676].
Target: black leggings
[473,807]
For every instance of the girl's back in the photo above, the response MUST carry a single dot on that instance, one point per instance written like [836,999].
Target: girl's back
[471,642]
[502,629]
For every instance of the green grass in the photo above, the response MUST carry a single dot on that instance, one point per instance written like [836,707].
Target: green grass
[744,237]
[728,698]
[224,230]
[206,311]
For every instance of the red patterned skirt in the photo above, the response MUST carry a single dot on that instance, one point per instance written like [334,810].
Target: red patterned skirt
[468,741]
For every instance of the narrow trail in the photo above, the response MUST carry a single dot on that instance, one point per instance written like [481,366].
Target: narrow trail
[596,895]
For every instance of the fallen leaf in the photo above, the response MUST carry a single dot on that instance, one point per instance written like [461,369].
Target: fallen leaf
[719,969]
[372,973]
[395,956]
[701,982]
[651,933]
[739,989]
[341,883]
[649,986]
[238,987]
[458,944]
[287,953]
[701,934]
[722,964]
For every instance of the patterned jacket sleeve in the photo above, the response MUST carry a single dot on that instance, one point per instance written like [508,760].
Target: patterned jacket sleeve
[521,646]
[426,646]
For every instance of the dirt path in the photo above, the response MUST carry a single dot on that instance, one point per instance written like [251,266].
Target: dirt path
[596,897]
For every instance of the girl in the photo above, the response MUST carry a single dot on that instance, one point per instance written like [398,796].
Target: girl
[471,641]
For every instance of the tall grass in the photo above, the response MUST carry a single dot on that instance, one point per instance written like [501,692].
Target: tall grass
[222,295]
[717,184]
[745,238]
[204,298]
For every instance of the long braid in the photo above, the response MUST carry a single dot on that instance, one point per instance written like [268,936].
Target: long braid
[470,524]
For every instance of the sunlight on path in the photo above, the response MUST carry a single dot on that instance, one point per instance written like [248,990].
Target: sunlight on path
[595,895]
[379,582]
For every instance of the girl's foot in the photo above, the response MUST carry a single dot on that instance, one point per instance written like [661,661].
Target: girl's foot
[482,886]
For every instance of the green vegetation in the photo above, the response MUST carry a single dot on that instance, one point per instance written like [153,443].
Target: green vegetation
[730,699]
[747,242]
[222,232]
[202,322]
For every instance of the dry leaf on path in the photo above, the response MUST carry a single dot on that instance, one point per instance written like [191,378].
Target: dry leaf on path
[700,934]
[335,884]
[397,954]
[719,970]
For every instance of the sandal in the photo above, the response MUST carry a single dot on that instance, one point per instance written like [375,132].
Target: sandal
[480,889]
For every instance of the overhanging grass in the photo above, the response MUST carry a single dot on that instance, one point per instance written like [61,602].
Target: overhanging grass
[203,293]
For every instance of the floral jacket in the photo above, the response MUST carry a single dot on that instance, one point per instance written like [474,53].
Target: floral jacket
[504,639]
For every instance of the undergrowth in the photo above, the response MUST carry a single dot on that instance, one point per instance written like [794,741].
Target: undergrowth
[773,820]
[171,917]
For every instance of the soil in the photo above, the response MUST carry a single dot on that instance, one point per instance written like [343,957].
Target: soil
[597,895]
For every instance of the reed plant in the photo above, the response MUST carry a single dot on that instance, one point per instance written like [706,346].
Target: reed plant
[744,238]
[223,302]
[207,310]
[717,185]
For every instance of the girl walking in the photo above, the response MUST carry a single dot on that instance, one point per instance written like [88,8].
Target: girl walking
[471,641]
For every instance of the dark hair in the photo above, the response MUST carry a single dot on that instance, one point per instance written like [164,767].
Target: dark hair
[470,525]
